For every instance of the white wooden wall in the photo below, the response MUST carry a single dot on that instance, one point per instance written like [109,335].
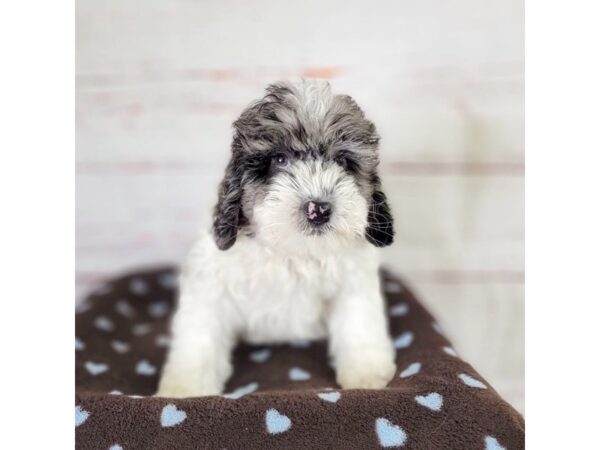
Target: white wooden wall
[160,81]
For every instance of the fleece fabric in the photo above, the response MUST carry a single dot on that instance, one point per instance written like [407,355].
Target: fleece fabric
[279,397]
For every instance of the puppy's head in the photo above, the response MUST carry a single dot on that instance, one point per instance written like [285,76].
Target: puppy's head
[303,170]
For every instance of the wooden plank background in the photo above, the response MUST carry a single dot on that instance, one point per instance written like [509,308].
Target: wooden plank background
[160,81]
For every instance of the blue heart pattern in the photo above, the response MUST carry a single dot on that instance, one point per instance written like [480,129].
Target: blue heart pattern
[241,391]
[120,346]
[411,370]
[141,329]
[492,444]
[472,382]
[389,435]
[125,309]
[404,340]
[171,416]
[450,351]
[138,286]
[81,415]
[95,368]
[437,327]
[82,307]
[168,280]
[392,287]
[158,309]
[162,340]
[433,401]
[331,397]
[103,290]
[399,310]
[104,323]
[79,344]
[298,374]
[145,368]
[277,422]
[260,356]
[300,343]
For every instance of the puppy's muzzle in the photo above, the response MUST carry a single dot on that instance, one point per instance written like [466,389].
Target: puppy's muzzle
[317,213]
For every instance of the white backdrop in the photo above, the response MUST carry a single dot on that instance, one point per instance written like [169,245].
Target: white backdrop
[160,81]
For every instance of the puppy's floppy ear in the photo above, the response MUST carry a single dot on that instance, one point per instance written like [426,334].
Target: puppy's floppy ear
[228,215]
[380,227]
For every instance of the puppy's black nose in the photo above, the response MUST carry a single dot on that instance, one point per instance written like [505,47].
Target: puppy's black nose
[317,213]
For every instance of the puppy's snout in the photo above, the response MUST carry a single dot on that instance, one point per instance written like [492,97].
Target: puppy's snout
[317,213]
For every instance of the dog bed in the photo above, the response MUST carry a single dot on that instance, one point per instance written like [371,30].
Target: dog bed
[279,397]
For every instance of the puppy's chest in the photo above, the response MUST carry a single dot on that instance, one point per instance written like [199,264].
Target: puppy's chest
[284,302]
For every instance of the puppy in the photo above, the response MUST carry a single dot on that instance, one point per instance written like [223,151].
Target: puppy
[292,251]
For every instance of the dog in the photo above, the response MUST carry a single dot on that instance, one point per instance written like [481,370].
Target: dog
[292,254]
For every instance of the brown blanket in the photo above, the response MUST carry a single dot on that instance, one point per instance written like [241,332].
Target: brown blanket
[280,397]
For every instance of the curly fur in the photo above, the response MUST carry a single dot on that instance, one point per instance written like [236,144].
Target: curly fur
[268,274]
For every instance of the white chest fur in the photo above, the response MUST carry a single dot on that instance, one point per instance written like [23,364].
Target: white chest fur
[263,295]
[268,296]
[283,300]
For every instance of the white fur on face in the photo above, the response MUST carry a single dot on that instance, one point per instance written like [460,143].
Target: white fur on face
[280,220]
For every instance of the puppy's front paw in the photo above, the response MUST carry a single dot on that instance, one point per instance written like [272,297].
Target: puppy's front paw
[367,371]
[177,387]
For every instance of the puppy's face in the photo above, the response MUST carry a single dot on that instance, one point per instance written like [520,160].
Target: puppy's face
[303,171]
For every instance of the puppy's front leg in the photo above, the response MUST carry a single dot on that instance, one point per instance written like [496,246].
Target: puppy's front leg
[198,362]
[359,342]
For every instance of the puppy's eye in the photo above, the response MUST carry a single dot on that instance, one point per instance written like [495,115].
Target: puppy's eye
[341,159]
[279,159]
